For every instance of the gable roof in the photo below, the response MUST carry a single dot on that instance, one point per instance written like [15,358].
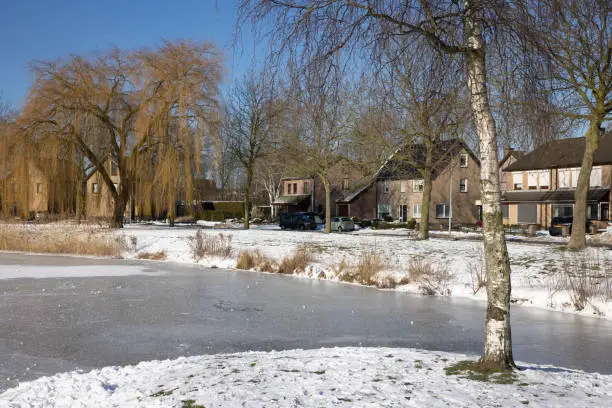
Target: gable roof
[399,166]
[517,154]
[563,153]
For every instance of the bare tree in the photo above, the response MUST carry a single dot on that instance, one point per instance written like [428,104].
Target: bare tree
[251,112]
[320,28]
[575,39]
[322,118]
[424,92]
[143,111]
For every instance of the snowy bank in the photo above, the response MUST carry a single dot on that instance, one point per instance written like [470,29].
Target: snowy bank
[348,377]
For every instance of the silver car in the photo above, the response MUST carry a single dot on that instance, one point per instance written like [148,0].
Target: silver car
[342,224]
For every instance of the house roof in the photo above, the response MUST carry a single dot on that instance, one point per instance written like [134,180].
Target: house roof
[563,153]
[291,199]
[401,165]
[517,154]
[354,193]
[555,196]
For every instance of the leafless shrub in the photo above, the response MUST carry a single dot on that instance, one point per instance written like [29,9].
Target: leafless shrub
[211,245]
[254,259]
[297,262]
[478,276]
[80,241]
[388,282]
[154,256]
[583,277]
[432,279]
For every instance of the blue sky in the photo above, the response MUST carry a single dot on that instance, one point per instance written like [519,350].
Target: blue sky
[48,29]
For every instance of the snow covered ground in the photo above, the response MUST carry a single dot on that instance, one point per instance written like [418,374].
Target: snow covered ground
[542,272]
[346,377]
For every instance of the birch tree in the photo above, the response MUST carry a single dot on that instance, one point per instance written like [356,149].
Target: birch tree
[321,28]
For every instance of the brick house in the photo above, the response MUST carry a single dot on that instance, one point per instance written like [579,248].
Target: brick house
[307,193]
[541,184]
[396,190]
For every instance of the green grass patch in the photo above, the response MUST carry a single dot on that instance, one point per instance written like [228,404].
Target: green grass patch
[472,370]
[191,404]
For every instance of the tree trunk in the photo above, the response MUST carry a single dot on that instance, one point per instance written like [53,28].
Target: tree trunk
[424,225]
[591,143]
[497,339]
[327,186]
[118,210]
[247,191]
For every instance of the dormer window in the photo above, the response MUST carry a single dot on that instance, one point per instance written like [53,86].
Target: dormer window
[463,160]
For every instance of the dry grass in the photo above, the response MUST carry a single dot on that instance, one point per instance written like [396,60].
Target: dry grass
[478,276]
[54,240]
[153,256]
[297,262]
[365,271]
[432,279]
[203,245]
[254,259]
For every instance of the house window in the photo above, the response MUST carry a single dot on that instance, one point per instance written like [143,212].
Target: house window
[463,160]
[384,210]
[564,178]
[575,172]
[417,185]
[385,187]
[294,188]
[505,209]
[306,188]
[116,187]
[605,211]
[592,211]
[39,188]
[403,213]
[442,211]
[345,184]
[562,210]
[517,180]
[114,169]
[532,180]
[403,186]
[463,185]
[543,179]
[416,210]
[595,180]
[95,188]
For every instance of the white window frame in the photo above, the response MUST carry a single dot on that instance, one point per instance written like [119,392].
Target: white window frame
[418,185]
[544,179]
[416,210]
[403,186]
[463,182]
[563,176]
[517,179]
[464,160]
[595,180]
[575,173]
[95,188]
[532,179]
[39,188]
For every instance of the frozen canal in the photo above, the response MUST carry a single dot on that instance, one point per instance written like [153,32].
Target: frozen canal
[161,310]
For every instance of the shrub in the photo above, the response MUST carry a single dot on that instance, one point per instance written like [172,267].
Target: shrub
[254,259]
[211,245]
[377,224]
[583,277]
[154,256]
[478,276]
[432,279]
[297,262]
[368,266]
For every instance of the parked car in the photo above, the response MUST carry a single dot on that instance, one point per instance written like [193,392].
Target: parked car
[298,220]
[557,224]
[342,224]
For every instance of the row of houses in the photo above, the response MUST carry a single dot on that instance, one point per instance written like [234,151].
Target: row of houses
[536,186]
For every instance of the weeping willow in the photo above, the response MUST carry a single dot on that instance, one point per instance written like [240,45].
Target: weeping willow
[144,112]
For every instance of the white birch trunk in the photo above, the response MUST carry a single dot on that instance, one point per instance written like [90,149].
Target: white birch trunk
[497,340]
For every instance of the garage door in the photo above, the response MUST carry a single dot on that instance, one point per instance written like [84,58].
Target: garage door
[527,213]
